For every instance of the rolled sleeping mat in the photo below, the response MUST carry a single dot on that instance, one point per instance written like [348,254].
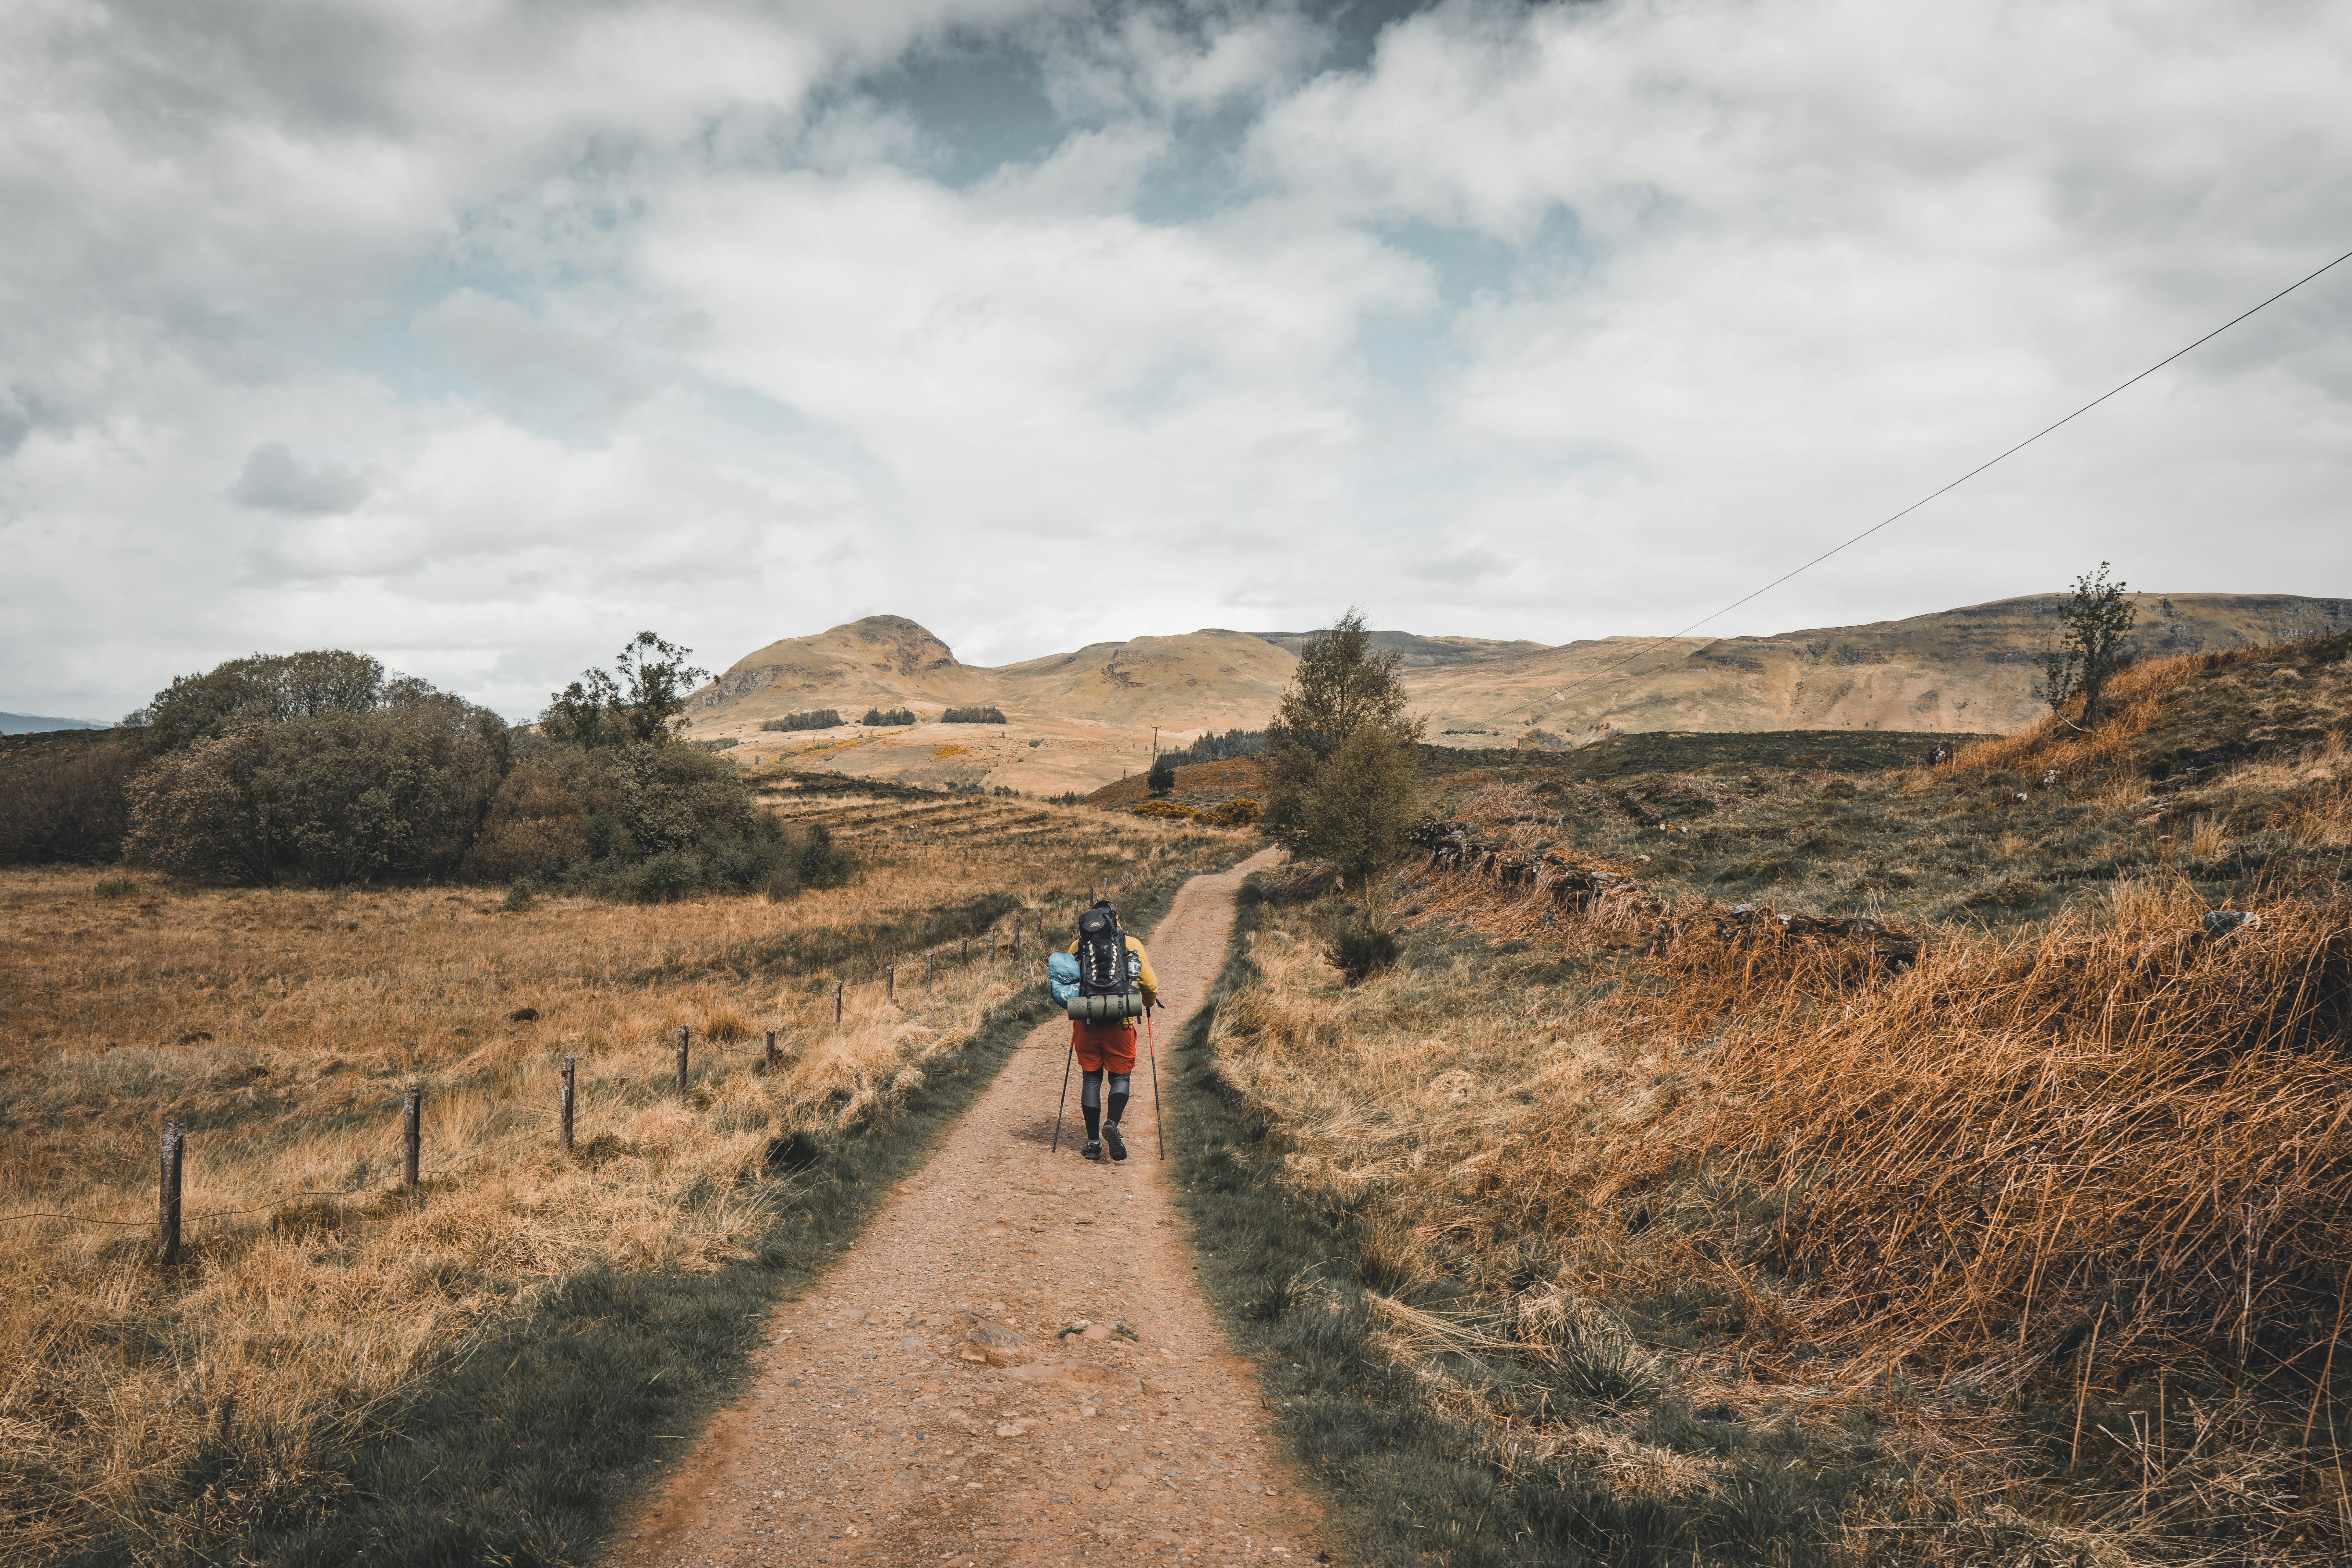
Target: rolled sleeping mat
[1103,1009]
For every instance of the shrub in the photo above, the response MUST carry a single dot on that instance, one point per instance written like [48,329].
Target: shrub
[267,688]
[537,824]
[114,887]
[346,797]
[1162,776]
[1239,812]
[894,715]
[63,798]
[810,719]
[519,896]
[976,715]
[810,859]
[1361,950]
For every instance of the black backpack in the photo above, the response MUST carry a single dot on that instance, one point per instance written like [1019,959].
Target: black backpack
[1102,954]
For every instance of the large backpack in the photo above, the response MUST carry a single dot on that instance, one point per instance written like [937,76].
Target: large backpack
[1102,954]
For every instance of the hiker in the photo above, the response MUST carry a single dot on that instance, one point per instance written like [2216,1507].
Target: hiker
[1110,963]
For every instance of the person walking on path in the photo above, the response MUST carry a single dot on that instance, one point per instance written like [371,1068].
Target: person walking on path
[1109,960]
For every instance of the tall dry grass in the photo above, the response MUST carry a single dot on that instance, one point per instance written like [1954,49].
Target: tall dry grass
[2039,1189]
[160,1409]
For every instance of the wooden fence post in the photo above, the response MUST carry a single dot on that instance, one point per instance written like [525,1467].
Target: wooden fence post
[412,1136]
[167,1196]
[771,1061]
[926,971]
[836,1004]
[963,950]
[890,981]
[681,1062]
[563,1126]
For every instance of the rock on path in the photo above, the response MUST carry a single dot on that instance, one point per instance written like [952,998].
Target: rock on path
[1014,1365]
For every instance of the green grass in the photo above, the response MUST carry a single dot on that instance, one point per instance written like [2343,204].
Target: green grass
[531,1445]
[1410,1480]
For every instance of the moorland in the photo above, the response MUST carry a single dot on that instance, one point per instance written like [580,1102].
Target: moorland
[1820,1159]
[341,1365]
[1077,720]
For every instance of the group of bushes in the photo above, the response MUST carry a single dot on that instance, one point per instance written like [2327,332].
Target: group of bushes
[896,716]
[810,719]
[974,715]
[319,769]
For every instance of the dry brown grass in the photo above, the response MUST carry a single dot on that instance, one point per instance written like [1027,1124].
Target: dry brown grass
[166,1407]
[2091,1172]
[2136,702]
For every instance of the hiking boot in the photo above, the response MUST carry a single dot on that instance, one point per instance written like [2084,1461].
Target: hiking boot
[1117,1144]
[1093,1151]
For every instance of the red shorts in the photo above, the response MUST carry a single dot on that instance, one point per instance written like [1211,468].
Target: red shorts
[1106,1044]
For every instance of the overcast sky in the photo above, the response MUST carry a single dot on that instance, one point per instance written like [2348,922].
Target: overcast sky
[480,335]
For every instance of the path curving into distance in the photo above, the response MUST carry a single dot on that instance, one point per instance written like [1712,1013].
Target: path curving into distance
[919,1405]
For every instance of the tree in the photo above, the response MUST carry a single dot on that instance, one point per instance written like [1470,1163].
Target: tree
[2093,619]
[1162,776]
[267,689]
[1361,808]
[1341,684]
[597,709]
[1341,781]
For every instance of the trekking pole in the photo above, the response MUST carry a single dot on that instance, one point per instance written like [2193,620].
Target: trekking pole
[1157,1125]
[1065,1103]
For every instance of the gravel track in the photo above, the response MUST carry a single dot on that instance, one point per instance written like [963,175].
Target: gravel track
[963,1388]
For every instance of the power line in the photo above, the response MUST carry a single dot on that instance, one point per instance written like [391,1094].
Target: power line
[1560,694]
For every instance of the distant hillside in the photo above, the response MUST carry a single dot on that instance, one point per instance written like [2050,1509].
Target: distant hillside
[34,724]
[1078,721]
[1972,669]
[1420,652]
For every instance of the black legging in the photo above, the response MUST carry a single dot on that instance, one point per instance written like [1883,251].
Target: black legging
[1090,1101]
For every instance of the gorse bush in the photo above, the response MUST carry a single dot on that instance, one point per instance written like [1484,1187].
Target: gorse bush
[894,715]
[976,715]
[810,719]
[1239,812]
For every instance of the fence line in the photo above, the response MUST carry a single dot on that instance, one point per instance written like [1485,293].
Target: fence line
[170,1222]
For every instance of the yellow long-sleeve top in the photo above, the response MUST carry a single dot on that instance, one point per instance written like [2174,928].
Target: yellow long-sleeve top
[1149,981]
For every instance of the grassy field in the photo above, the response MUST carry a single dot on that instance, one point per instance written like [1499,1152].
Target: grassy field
[1646,1228]
[340,1369]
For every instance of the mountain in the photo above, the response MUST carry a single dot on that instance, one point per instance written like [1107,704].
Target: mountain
[1077,720]
[33,724]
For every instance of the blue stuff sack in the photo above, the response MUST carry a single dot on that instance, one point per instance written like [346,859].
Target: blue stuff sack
[1062,975]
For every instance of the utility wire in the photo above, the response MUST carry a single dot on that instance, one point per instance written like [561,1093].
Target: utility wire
[1659,642]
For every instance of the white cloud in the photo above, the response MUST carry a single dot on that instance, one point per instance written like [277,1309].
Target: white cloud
[482,334]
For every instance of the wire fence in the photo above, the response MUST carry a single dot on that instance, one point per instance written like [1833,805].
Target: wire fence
[1005,943]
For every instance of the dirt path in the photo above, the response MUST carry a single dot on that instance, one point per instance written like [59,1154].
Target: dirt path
[922,1404]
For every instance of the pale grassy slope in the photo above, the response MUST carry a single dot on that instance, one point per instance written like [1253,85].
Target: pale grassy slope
[1073,720]
[1970,669]
[1080,719]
